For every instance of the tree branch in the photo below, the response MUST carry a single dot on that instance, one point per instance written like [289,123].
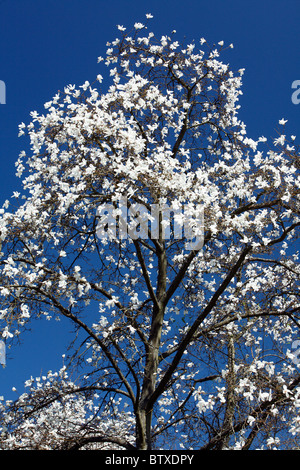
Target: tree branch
[145,273]
[192,330]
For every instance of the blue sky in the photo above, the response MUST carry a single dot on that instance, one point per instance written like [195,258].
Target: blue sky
[46,45]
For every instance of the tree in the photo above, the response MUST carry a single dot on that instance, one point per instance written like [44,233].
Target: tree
[180,344]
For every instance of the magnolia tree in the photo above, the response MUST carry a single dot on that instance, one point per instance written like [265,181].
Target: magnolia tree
[168,238]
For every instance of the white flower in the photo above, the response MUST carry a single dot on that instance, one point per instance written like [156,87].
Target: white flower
[280,140]
[271,441]
[250,420]
[6,333]
[25,311]
[103,321]
[138,26]
[85,85]
[282,121]
[111,302]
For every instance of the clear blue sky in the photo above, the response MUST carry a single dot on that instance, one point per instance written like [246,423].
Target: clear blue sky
[47,44]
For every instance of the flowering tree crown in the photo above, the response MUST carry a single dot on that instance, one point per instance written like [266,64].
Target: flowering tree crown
[174,339]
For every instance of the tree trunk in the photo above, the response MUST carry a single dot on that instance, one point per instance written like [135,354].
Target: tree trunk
[145,411]
[143,436]
[231,401]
